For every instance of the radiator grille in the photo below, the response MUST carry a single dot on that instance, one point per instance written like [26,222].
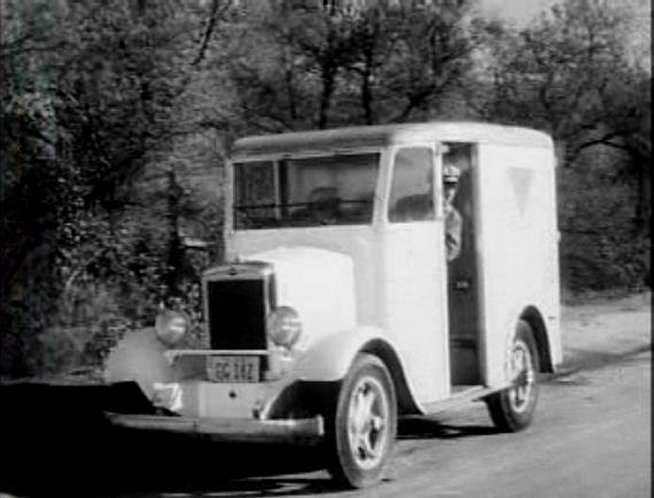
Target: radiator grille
[237,314]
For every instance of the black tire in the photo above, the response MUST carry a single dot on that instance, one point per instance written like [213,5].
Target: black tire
[358,450]
[513,409]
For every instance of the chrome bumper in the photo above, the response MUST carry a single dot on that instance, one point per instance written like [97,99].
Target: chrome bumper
[297,431]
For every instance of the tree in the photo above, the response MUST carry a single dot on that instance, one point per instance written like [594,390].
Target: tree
[291,54]
[570,74]
[559,74]
[93,99]
[431,57]
[314,66]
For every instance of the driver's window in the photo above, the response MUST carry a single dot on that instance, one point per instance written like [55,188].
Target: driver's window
[412,195]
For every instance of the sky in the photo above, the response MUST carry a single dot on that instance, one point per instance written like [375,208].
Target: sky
[523,11]
[516,10]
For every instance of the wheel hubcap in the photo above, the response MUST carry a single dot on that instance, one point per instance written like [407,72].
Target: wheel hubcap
[367,422]
[523,375]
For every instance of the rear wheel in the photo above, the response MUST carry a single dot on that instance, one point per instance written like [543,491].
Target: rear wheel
[513,408]
[361,429]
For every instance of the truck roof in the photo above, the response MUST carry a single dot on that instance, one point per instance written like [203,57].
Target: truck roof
[383,135]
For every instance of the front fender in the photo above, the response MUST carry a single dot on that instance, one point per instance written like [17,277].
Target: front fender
[330,358]
[140,357]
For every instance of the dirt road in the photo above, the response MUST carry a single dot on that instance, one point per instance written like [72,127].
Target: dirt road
[592,437]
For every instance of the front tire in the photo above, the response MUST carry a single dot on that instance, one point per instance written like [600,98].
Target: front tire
[513,408]
[360,431]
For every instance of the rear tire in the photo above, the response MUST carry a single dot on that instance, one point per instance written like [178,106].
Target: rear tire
[361,428]
[513,408]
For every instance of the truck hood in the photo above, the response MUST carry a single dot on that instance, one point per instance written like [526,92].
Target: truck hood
[319,284]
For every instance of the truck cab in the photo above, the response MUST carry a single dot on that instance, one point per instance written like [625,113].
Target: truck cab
[339,308]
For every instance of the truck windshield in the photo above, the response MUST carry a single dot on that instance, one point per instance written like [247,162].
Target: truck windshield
[315,191]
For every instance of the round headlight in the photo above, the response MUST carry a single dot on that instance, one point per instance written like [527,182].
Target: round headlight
[171,327]
[284,326]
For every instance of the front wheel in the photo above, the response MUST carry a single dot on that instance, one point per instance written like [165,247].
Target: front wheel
[360,431]
[513,408]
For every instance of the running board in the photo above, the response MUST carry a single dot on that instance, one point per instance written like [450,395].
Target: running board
[462,397]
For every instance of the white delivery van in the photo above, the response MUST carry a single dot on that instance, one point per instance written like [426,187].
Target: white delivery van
[337,310]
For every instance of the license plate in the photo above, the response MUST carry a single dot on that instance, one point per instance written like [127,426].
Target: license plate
[233,368]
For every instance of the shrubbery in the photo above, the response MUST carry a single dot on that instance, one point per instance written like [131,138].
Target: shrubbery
[115,120]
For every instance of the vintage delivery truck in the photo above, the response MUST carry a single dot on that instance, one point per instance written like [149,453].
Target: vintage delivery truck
[338,310]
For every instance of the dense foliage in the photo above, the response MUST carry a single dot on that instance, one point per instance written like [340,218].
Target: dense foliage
[115,117]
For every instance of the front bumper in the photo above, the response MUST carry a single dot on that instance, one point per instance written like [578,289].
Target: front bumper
[296,431]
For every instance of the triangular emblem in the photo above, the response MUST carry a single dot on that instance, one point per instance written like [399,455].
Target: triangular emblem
[521,180]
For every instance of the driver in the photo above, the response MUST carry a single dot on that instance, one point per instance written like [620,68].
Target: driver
[323,207]
[453,222]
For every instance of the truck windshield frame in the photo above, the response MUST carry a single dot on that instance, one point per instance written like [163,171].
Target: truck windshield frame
[301,192]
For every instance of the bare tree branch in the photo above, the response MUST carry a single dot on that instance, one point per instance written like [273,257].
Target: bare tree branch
[216,12]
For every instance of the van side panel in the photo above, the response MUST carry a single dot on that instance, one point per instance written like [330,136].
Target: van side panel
[517,248]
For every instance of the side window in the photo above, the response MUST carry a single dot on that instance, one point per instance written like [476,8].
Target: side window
[254,194]
[412,186]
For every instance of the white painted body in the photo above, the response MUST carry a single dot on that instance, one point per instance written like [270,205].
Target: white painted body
[519,235]
[388,282]
[399,270]
[393,288]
